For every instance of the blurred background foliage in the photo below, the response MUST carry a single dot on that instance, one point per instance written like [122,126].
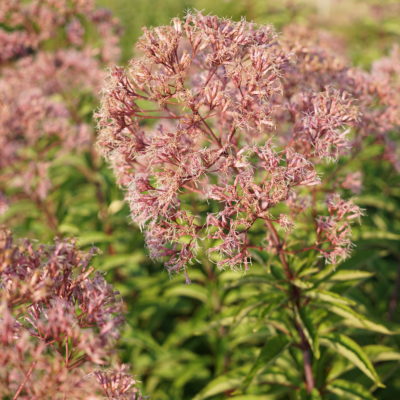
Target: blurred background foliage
[182,339]
[368,27]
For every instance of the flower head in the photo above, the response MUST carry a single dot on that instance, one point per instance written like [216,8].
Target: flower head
[208,138]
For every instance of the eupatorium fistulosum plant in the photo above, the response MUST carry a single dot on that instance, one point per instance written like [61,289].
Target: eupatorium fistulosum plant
[224,137]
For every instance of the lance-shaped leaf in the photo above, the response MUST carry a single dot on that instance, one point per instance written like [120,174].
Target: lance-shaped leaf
[349,390]
[309,330]
[219,385]
[354,319]
[329,297]
[193,291]
[349,349]
[350,275]
[274,346]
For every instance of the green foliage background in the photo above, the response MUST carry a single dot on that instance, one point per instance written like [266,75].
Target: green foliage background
[182,340]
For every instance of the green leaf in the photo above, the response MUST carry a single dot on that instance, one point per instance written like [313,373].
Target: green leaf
[281,377]
[380,202]
[246,310]
[308,271]
[240,280]
[92,238]
[277,273]
[115,206]
[274,346]
[193,291]
[349,349]
[378,353]
[309,330]
[376,234]
[334,275]
[219,385]
[329,297]
[354,319]
[350,275]
[349,390]
[314,395]
[116,260]
[302,284]
[253,397]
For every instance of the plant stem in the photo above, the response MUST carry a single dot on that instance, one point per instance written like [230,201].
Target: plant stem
[295,297]
[394,297]
[23,383]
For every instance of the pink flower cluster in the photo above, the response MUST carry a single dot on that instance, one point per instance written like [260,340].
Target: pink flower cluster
[38,113]
[26,26]
[59,321]
[216,134]
[376,93]
[41,110]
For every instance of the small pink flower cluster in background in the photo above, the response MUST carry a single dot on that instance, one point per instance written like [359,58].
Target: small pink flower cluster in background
[42,89]
[59,321]
[41,111]
[319,64]
[31,24]
[220,130]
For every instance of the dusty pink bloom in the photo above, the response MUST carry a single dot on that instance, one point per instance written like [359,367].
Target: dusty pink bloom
[59,322]
[42,115]
[210,138]
[322,120]
[75,32]
[3,203]
[335,229]
[27,25]
[118,384]
[353,182]
[38,112]
[376,93]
